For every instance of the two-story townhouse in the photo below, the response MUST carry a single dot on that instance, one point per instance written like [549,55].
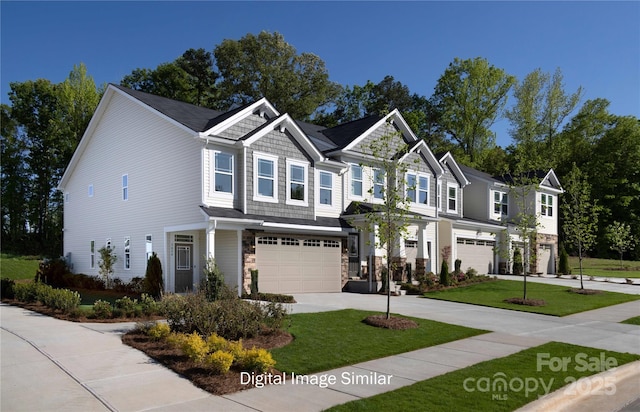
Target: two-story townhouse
[246,187]
[496,202]
[362,187]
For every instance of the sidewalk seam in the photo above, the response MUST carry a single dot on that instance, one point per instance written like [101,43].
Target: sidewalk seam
[62,368]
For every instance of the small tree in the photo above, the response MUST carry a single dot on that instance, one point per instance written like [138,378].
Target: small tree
[153,281]
[213,282]
[108,259]
[389,220]
[517,262]
[580,214]
[620,238]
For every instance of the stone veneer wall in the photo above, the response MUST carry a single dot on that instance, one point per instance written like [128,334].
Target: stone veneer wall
[542,238]
[248,258]
[344,260]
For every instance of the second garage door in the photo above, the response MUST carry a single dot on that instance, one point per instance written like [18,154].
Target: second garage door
[290,264]
[477,254]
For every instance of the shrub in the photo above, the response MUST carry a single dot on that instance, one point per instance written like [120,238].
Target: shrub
[195,347]
[213,281]
[127,306]
[457,265]
[149,305]
[219,361]
[159,331]
[52,272]
[216,343]
[444,274]
[563,265]
[153,281]
[255,359]
[108,259]
[471,273]
[176,339]
[254,282]
[517,262]
[102,309]
[274,315]
[6,288]
[270,297]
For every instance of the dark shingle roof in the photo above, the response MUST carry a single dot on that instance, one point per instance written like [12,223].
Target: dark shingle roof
[344,134]
[237,214]
[194,117]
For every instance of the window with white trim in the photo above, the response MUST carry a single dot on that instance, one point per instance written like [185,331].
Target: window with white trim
[411,187]
[223,172]
[125,187]
[326,188]
[378,183]
[127,252]
[356,180]
[546,205]
[297,173]
[265,177]
[500,203]
[452,199]
[92,254]
[418,188]
[423,189]
[148,246]
[439,196]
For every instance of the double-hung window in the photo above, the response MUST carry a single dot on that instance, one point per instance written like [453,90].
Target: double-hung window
[423,190]
[439,196]
[356,180]
[378,183]
[418,188]
[265,177]
[452,199]
[326,188]
[297,173]
[411,187]
[223,175]
[92,254]
[500,203]
[546,203]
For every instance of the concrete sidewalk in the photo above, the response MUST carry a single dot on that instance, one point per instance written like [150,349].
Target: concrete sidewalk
[47,364]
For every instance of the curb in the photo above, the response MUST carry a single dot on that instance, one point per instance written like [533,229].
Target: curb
[559,400]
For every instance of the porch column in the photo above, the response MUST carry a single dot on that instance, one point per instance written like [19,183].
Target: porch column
[423,251]
[399,259]
[211,239]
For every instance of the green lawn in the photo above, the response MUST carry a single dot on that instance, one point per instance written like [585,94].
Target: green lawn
[608,268]
[329,340]
[559,302]
[18,267]
[632,321]
[465,390]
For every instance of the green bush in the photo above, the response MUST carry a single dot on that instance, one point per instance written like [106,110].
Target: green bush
[126,306]
[52,272]
[149,305]
[102,309]
[213,282]
[7,288]
[195,347]
[457,265]
[153,281]
[254,282]
[270,297]
[471,273]
[517,262]
[563,265]
[57,299]
[231,319]
[444,273]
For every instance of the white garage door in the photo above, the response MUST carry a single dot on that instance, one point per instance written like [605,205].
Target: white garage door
[289,264]
[477,254]
[545,263]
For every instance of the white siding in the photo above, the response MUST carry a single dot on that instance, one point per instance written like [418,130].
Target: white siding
[336,195]
[226,251]
[163,164]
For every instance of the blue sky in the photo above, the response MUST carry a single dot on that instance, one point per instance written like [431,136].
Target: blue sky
[595,44]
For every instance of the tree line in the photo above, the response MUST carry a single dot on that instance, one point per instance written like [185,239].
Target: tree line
[550,127]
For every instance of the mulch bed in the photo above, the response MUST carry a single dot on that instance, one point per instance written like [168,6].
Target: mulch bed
[584,291]
[393,322]
[174,359]
[526,302]
[45,310]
